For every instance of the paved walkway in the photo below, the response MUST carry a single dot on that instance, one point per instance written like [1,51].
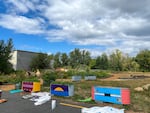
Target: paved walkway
[16,104]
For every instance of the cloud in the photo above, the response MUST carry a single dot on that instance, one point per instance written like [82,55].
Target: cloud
[31,48]
[20,6]
[115,24]
[21,24]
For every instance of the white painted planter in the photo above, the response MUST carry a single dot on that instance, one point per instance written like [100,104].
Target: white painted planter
[76,78]
[90,78]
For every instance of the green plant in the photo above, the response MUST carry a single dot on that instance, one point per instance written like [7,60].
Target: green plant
[5,56]
[63,83]
[101,74]
[77,96]
[48,78]
[3,78]
[32,79]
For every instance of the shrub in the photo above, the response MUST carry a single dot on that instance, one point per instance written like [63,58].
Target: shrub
[32,79]
[17,77]
[63,83]
[4,79]
[98,74]
[48,78]
[70,73]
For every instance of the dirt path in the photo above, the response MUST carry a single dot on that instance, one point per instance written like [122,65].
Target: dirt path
[117,76]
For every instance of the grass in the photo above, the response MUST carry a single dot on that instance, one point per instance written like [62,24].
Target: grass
[140,101]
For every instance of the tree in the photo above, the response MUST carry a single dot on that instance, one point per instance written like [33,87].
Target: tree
[85,57]
[57,60]
[5,56]
[134,66]
[98,62]
[64,59]
[143,59]
[116,61]
[51,59]
[75,58]
[129,64]
[79,58]
[102,62]
[93,63]
[41,61]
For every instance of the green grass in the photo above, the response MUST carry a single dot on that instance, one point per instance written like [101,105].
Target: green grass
[140,101]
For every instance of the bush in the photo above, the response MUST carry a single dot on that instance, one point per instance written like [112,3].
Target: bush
[32,79]
[102,74]
[4,79]
[70,73]
[17,77]
[13,78]
[48,78]
[98,74]
[63,83]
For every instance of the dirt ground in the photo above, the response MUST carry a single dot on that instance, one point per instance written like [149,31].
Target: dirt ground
[117,76]
[126,75]
[7,87]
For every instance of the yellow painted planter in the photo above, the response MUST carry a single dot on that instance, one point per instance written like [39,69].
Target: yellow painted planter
[31,86]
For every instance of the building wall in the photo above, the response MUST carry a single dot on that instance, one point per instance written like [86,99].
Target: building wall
[13,60]
[21,59]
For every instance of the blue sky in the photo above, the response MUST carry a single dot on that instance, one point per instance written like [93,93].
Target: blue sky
[52,26]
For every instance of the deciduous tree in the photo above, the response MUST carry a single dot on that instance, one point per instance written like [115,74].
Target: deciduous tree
[143,59]
[41,61]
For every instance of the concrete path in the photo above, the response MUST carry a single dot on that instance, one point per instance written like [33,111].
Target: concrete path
[16,104]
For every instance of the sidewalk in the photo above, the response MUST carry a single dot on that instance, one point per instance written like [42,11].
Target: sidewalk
[16,104]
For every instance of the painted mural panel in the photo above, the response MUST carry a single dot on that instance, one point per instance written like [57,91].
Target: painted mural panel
[59,90]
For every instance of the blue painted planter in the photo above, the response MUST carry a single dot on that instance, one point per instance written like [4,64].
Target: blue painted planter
[111,94]
[62,90]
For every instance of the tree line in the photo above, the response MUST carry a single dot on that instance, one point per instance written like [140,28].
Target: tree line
[76,59]
[116,61]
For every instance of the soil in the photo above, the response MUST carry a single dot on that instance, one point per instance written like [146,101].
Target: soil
[7,87]
[127,75]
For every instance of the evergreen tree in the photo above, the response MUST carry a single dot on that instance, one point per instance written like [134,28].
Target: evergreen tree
[5,56]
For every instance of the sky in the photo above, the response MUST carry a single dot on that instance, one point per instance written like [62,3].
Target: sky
[98,26]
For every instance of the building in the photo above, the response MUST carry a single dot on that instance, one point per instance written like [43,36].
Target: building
[21,60]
